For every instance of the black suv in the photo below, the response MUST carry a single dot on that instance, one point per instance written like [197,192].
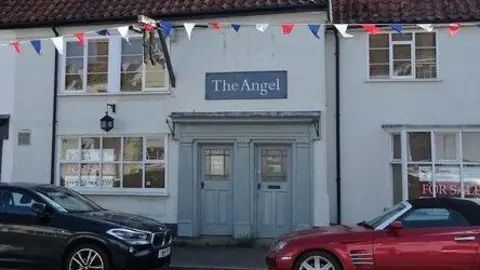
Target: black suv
[51,227]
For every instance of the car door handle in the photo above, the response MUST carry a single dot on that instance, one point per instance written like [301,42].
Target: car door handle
[464,238]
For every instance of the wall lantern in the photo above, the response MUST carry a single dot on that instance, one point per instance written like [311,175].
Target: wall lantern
[107,122]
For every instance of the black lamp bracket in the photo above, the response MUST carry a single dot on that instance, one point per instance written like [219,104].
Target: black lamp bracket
[171,126]
[113,107]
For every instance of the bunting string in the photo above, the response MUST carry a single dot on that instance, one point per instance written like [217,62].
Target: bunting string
[285,28]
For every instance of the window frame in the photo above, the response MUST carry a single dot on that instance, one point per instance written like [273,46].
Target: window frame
[450,213]
[34,196]
[144,191]
[114,66]
[412,77]
[433,162]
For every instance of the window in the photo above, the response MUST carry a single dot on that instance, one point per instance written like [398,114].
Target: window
[403,56]
[134,74]
[112,65]
[217,164]
[113,162]
[67,201]
[16,202]
[86,68]
[274,165]
[433,217]
[438,164]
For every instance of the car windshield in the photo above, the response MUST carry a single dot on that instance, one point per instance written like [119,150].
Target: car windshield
[385,216]
[67,201]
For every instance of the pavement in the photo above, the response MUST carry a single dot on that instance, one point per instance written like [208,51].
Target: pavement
[218,258]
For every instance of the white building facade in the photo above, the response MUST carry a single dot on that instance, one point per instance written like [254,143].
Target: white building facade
[236,148]
[409,126]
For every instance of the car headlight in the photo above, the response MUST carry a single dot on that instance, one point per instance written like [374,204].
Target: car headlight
[130,236]
[279,246]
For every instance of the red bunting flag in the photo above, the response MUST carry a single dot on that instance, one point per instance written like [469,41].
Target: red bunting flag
[287,28]
[81,38]
[216,26]
[16,46]
[371,29]
[453,29]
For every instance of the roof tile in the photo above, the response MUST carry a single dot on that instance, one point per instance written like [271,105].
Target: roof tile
[35,12]
[406,11]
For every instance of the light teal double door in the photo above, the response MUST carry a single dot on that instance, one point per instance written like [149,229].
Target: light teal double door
[271,190]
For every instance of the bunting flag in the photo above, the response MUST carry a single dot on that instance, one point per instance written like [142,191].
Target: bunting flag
[103,32]
[314,28]
[189,28]
[261,27]
[453,29]
[81,38]
[123,30]
[37,45]
[235,27]
[426,27]
[397,27]
[216,26]
[166,27]
[342,29]
[371,29]
[16,46]
[287,28]
[58,42]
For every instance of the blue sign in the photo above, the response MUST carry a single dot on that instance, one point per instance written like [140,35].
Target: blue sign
[246,85]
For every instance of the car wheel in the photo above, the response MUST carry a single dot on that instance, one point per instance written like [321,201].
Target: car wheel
[317,260]
[87,257]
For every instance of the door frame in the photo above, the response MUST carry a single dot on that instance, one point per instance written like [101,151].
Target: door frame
[257,146]
[200,145]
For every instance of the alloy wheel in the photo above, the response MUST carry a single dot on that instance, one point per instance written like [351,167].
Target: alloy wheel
[86,259]
[317,263]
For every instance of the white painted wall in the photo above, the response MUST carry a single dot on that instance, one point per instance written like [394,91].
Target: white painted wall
[366,106]
[27,95]
[300,53]
[7,65]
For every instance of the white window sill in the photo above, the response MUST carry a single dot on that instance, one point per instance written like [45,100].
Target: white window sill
[146,93]
[122,192]
[401,80]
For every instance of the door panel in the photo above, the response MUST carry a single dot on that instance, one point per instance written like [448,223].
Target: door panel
[24,235]
[216,190]
[432,248]
[274,203]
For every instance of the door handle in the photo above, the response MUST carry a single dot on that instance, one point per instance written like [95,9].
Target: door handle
[464,238]
[202,185]
[259,186]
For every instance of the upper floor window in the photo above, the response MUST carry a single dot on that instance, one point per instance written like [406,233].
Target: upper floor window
[86,68]
[137,76]
[403,56]
[112,65]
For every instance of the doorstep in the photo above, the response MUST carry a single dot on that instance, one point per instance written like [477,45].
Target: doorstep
[216,257]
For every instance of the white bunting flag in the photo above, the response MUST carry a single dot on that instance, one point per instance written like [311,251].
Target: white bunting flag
[261,27]
[123,30]
[189,28]
[342,28]
[58,42]
[426,27]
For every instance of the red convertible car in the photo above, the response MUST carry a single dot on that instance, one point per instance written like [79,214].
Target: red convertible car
[420,234]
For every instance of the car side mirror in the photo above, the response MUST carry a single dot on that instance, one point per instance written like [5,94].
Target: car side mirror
[396,226]
[39,209]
